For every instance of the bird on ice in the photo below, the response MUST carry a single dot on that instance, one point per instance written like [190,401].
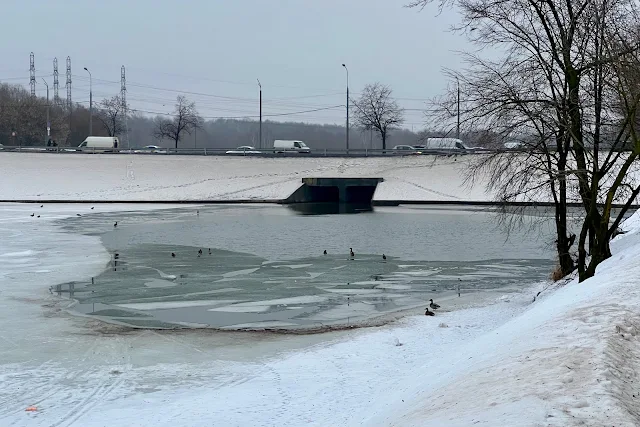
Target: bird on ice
[429,313]
[384,257]
[351,254]
[434,305]
[115,224]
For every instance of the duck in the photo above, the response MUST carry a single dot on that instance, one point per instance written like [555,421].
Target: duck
[38,216]
[33,214]
[384,257]
[115,224]
[78,215]
[209,251]
[434,305]
[173,254]
[429,313]
[199,252]
[91,207]
[42,206]
[325,252]
[351,254]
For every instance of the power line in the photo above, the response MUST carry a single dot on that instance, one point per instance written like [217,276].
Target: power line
[247,116]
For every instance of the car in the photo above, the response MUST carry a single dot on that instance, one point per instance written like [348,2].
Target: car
[406,149]
[244,149]
[150,149]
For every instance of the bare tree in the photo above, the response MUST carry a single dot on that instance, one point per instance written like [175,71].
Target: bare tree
[111,115]
[548,89]
[185,119]
[375,109]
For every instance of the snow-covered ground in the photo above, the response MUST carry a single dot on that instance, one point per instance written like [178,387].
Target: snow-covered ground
[570,358]
[32,176]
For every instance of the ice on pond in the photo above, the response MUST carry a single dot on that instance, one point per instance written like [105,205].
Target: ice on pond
[238,308]
[158,283]
[354,291]
[172,304]
[292,266]
[393,287]
[239,272]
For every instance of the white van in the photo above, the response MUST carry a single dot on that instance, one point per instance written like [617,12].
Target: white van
[282,145]
[451,145]
[99,144]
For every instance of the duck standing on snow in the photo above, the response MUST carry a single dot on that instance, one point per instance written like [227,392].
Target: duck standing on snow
[429,313]
[434,305]
[384,257]
[325,252]
[209,251]
[115,224]
[351,254]
[199,252]
[173,254]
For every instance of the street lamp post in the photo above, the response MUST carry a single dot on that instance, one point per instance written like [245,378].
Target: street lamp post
[48,124]
[345,67]
[90,102]
[260,137]
[458,104]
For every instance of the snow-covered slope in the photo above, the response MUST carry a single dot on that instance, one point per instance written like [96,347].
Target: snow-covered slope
[29,176]
[572,358]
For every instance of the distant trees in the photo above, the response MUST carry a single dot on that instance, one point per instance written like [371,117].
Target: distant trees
[111,114]
[25,116]
[375,109]
[185,120]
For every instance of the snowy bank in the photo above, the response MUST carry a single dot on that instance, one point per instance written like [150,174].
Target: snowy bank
[570,358]
[32,176]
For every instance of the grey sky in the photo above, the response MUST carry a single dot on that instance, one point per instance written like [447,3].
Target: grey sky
[219,48]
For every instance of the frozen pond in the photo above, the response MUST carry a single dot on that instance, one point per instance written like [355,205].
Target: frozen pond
[266,267]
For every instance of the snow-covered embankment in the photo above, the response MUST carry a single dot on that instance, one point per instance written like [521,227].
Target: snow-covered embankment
[31,176]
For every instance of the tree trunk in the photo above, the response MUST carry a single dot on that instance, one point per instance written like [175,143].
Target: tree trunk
[600,250]
[564,242]
[383,135]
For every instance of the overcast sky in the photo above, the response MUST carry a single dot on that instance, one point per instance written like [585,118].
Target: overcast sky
[216,49]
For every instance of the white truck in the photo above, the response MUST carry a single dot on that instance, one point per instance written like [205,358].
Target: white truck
[99,144]
[285,145]
[446,145]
